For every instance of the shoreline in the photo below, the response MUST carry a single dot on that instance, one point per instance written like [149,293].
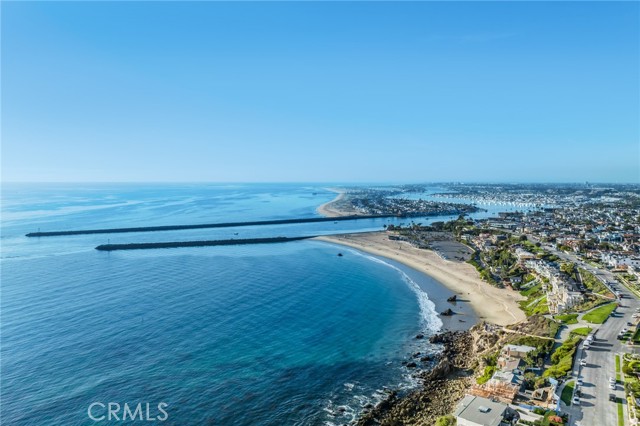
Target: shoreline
[464,318]
[329,208]
[490,304]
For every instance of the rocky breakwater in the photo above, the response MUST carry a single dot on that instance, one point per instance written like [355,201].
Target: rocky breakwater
[442,386]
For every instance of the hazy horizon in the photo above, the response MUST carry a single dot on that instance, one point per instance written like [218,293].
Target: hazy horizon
[495,92]
[337,183]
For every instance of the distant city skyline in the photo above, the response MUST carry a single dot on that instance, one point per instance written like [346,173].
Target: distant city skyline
[321,92]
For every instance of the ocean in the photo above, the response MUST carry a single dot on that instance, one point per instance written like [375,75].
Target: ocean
[278,334]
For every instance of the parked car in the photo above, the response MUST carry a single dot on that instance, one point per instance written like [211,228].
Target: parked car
[579,382]
[583,362]
[612,398]
[612,386]
[576,400]
[612,379]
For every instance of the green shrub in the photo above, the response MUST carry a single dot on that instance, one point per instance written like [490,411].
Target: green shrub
[488,373]
[447,420]
[562,358]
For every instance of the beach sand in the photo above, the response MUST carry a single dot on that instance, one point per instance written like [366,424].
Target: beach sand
[333,207]
[491,304]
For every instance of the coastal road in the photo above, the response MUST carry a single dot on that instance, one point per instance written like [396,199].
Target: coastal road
[595,407]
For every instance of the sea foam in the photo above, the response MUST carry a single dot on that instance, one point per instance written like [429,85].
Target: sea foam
[429,317]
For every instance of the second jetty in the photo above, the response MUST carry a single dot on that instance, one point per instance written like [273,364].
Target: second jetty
[201,243]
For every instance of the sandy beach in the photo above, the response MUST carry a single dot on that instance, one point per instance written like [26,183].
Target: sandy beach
[333,207]
[498,306]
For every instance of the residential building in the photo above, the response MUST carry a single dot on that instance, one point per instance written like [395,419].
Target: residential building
[516,351]
[479,411]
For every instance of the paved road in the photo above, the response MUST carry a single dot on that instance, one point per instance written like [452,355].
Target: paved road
[595,407]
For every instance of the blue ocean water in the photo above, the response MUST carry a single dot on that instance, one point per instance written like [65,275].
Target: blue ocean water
[281,334]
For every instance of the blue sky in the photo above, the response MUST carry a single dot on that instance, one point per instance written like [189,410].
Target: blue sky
[381,91]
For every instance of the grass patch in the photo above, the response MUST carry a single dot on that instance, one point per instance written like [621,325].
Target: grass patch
[600,315]
[567,318]
[620,414]
[533,290]
[581,331]
[567,393]
[618,376]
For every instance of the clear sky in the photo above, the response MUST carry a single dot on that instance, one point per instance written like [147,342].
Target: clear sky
[381,91]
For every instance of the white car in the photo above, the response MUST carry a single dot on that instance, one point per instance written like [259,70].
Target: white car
[612,380]
[576,400]
[612,386]
[624,330]
[579,382]
[583,362]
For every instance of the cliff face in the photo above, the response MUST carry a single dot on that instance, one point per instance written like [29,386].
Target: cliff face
[443,386]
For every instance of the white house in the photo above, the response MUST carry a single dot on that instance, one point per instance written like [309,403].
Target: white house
[478,411]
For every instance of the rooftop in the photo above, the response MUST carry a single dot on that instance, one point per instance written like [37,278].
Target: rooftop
[519,348]
[480,410]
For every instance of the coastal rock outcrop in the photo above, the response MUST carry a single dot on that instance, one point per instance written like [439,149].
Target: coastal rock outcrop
[447,312]
[437,338]
[443,386]
[452,298]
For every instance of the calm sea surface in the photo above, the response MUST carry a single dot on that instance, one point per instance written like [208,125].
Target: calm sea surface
[281,334]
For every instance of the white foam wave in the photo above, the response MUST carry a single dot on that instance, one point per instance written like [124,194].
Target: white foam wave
[428,313]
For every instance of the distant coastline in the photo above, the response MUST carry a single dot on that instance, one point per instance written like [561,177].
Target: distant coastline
[330,208]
